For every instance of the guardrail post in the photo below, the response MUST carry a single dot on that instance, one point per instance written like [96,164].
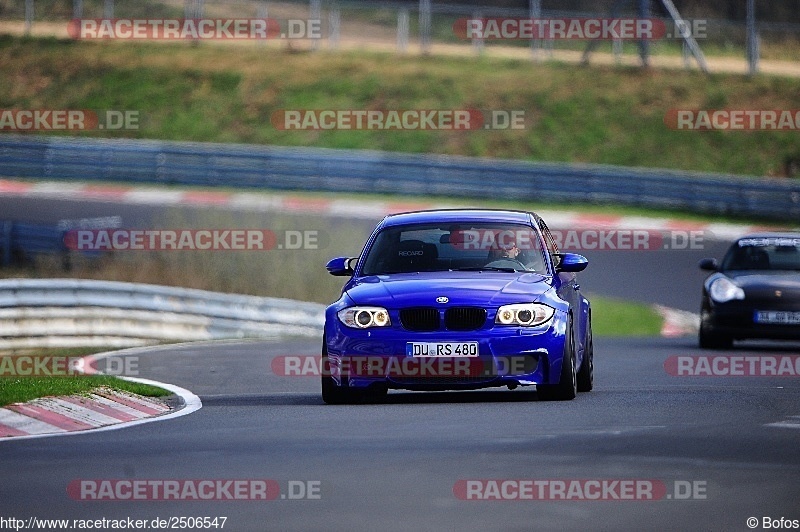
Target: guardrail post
[535,12]
[7,226]
[334,27]
[402,30]
[28,16]
[315,13]
[477,42]
[262,11]
[644,45]
[108,9]
[425,26]
[191,8]
[77,8]
[752,38]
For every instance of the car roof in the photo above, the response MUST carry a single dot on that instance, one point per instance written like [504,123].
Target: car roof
[776,234]
[459,215]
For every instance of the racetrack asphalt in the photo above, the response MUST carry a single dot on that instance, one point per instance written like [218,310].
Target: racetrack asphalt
[393,466]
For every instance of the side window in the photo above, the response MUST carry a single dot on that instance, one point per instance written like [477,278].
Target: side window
[550,242]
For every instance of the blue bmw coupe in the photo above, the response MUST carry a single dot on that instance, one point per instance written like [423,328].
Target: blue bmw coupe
[458,300]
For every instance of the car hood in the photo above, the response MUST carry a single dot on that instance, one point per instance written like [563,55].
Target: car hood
[461,288]
[788,282]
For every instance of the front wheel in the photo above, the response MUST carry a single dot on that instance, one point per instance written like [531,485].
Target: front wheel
[340,395]
[331,393]
[567,387]
[711,340]
[586,373]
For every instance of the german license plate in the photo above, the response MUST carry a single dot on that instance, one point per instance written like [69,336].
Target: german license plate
[442,349]
[779,317]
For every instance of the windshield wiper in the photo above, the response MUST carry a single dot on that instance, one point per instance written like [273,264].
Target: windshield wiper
[485,268]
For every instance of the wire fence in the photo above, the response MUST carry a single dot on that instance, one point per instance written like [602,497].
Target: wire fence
[428,26]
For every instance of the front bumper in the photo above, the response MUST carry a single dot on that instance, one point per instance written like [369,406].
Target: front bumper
[507,355]
[737,320]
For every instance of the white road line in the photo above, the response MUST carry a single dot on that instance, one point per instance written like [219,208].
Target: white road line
[154,196]
[792,422]
[55,189]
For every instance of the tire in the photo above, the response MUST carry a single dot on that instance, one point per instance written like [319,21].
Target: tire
[586,373]
[331,393]
[339,395]
[709,340]
[567,387]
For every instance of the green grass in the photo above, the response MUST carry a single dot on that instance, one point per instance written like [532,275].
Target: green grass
[614,317]
[21,389]
[573,114]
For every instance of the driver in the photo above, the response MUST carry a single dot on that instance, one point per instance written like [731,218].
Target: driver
[505,253]
[510,252]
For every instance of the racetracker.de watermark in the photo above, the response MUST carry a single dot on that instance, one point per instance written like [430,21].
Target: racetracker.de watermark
[608,29]
[194,239]
[733,366]
[15,366]
[580,239]
[500,28]
[173,29]
[398,120]
[193,489]
[628,239]
[600,489]
[68,120]
[429,364]
[215,29]
[733,119]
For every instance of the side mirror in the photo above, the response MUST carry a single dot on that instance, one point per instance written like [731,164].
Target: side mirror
[341,266]
[710,265]
[572,262]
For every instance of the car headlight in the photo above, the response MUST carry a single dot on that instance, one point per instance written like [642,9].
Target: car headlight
[364,317]
[524,314]
[723,289]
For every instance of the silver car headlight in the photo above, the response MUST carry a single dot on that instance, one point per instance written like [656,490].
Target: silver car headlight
[364,317]
[524,314]
[723,289]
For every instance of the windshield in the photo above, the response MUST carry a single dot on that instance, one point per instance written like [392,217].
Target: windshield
[764,253]
[460,247]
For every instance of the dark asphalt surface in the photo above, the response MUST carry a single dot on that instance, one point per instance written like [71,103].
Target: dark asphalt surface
[393,466]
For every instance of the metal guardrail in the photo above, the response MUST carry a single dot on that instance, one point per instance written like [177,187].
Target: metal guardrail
[234,165]
[78,312]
